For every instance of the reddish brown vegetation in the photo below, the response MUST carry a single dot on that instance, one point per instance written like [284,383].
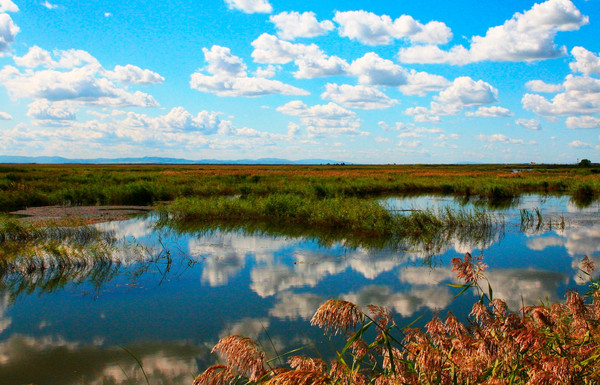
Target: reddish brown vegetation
[557,343]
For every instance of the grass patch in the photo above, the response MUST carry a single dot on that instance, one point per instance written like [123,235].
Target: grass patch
[357,222]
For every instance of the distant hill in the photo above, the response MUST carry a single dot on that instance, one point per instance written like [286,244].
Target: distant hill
[155,160]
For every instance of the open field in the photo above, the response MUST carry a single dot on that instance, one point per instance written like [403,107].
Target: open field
[24,186]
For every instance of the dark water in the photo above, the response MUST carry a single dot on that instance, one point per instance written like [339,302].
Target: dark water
[167,303]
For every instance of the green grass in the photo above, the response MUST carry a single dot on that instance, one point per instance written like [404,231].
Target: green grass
[38,185]
[358,222]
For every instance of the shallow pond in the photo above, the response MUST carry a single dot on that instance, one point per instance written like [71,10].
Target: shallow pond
[172,295]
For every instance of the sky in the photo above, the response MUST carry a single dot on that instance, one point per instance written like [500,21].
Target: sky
[496,81]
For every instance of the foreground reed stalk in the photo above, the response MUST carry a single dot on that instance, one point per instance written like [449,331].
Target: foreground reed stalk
[556,343]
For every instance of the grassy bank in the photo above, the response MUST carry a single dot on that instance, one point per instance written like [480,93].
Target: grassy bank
[357,222]
[38,185]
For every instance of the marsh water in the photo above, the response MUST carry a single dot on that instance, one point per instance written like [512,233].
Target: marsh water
[168,296]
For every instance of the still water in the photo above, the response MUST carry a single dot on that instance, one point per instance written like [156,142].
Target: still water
[169,297]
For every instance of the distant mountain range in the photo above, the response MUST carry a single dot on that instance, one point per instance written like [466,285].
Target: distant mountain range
[155,160]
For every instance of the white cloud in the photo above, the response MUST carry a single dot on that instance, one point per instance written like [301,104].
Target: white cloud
[458,55]
[250,6]
[422,114]
[409,144]
[267,72]
[491,112]
[363,97]
[134,75]
[37,57]
[369,28]
[291,25]
[44,110]
[525,37]
[574,122]
[420,83]
[228,77]
[321,65]
[581,97]
[540,86]
[5,116]
[465,91]
[83,85]
[312,62]
[107,14]
[270,49]
[323,119]
[8,31]
[499,138]
[530,124]
[579,144]
[586,61]
[8,6]
[49,5]
[397,126]
[372,70]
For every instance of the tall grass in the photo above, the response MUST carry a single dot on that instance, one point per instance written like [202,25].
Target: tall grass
[357,222]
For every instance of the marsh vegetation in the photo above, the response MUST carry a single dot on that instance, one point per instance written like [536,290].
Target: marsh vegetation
[254,251]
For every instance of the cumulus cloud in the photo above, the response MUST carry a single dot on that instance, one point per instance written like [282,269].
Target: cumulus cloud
[250,6]
[84,85]
[363,97]
[325,119]
[8,6]
[579,144]
[8,31]
[44,110]
[312,62]
[371,29]
[5,116]
[543,87]
[490,112]
[574,122]
[585,62]
[499,138]
[291,25]
[228,77]
[421,83]
[38,57]
[530,124]
[581,96]
[526,36]
[134,75]
[372,70]
[463,92]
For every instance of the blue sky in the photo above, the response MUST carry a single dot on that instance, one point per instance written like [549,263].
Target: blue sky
[365,82]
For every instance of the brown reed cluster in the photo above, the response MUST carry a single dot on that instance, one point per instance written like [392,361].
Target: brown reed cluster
[557,343]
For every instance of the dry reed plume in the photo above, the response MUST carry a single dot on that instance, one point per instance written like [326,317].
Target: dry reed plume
[556,343]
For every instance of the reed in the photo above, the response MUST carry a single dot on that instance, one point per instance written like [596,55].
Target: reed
[543,344]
